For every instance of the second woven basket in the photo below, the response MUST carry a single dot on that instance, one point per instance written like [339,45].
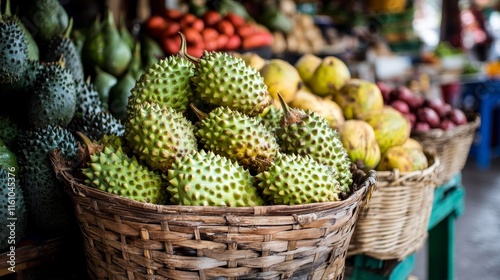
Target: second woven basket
[394,223]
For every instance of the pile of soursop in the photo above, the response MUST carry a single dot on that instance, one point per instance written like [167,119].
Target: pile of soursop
[203,132]
[46,99]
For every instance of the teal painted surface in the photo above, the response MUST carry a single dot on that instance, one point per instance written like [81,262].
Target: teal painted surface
[448,204]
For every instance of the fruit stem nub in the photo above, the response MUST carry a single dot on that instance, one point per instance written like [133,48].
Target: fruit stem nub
[201,115]
[67,32]
[90,146]
[7,8]
[290,115]
[183,50]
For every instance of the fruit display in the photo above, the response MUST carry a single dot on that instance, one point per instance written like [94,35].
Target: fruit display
[114,58]
[218,151]
[357,110]
[424,113]
[211,30]
[47,97]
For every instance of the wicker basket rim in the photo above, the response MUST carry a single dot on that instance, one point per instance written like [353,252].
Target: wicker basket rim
[441,135]
[74,188]
[402,176]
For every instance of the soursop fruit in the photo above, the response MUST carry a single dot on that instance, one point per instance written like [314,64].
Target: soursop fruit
[307,133]
[166,82]
[9,130]
[13,48]
[50,209]
[237,136]
[271,118]
[52,100]
[12,206]
[208,179]
[294,180]
[224,80]
[114,171]
[97,125]
[88,100]
[62,47]
[157,135]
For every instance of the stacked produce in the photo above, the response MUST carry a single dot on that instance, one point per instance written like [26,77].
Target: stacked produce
[374,134]
[207,132]
[212,30]
[46,98]
[115,59]
[424,113]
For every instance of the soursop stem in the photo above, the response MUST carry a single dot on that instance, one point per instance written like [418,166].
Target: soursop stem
[90,146]
[67,32]
[7,8]
[290,115]
[183,50]
[201,115]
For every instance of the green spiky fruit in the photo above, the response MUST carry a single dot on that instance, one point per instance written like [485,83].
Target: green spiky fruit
[62,46]
[114,141]
[294,180]
[12,207]
[51,18]
[13,48]
[9,130]
[224,80]
[167,82]
[96,125]
[307,133]
[113,171]
[51,210]
[53,97]
[8,159]
[158,135]
[27,80]
[207,179]
[271,118]
[238,137]
[87,99]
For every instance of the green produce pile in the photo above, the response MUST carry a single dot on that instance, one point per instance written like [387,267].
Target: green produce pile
[187,131]
[48,94]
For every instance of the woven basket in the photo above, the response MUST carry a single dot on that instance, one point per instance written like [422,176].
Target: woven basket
[126,239]
[394,225]
[452,146]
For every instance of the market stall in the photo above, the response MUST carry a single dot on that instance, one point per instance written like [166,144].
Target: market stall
[240,139]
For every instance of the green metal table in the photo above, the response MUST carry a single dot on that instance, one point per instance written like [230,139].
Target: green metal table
[448,205]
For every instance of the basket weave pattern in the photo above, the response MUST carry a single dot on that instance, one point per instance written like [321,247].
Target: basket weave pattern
[452,147]
[394,224]
[126,239]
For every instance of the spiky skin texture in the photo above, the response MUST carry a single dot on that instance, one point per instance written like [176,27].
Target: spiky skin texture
[294,180]
[9,130]
[49,206]
[238,137]
[224,80]
[158,135]
[167,83]
[207,179]
[97,125]
[27,79]
[63,46]
[11,192]
[307,133]
[114,141]
[53,98]
[271,118]
[87,99]
[13,50]
[113,171]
